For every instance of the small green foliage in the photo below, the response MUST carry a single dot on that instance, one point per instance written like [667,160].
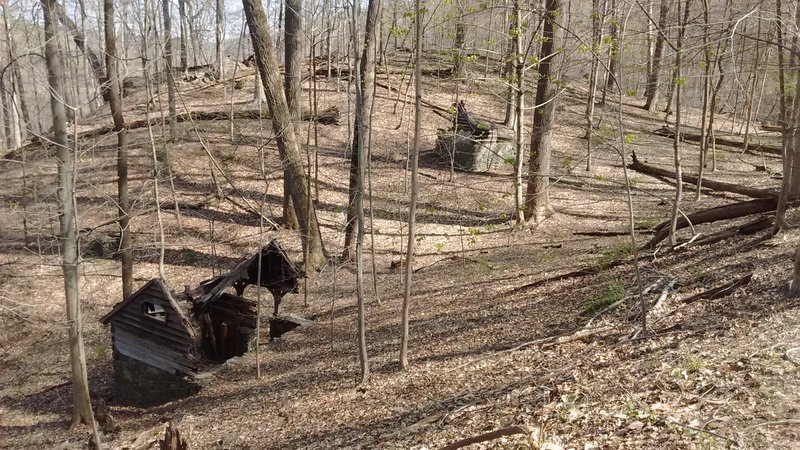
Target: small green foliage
[419,239]
[629,138]
[693,364]
[599,177]
[567,162]
[681,81]
[599,302]
[101,351]
[511,161]
[645,223]
[439,246]
[473,231]
[398,31]
[611,255]
[490,227]
[631,93]
[633,181]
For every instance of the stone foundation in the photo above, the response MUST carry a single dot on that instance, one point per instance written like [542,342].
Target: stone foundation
[467,153]
[138,384]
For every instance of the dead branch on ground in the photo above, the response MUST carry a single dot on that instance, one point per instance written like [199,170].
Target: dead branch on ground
[720,291]
[490,436]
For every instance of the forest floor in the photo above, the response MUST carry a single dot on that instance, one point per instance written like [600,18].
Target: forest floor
[498,337]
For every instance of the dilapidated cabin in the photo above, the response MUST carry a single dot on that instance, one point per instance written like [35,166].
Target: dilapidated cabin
[165,342]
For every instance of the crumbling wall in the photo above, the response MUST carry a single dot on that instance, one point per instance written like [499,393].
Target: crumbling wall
[473,154]
[138,384]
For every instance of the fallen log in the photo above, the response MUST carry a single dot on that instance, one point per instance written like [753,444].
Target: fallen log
[328,116]
[694,137]
[725,212]
[760,224]
[721,291]
[710,184]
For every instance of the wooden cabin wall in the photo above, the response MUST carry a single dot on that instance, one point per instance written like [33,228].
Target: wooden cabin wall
[166,345]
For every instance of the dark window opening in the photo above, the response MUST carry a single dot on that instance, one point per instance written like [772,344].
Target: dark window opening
[155,311]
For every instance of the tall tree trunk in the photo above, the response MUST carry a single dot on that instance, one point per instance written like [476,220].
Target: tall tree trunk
[706,100]
[19,101]
[80,40]
[676,145]
[537,200]
[363,123]
[293,59]
[459,46]
[173,121]
[82,406]
[363,80]
[220,36]
[508,68]
[597,40]
[412,210]
[285,136]
[115,102]
[613,49]
[780,213]
[184,35]
[519,111]
[651,91]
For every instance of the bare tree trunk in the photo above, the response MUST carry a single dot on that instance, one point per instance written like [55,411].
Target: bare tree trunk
[706,98]
[597,40]
[173,122]
[508,68]
[19,102]
[651,92]
[748,116]
[283,128]
[258,94]
[80,41]
[360,153]
[459,46]
[678,83]
[363,123]
[82,406]
[115,102]
[293,59]
[412,210]
[184,36]
[220,36]
[794,183]
[537,200]
[519,111]
[613,49]
[780,213]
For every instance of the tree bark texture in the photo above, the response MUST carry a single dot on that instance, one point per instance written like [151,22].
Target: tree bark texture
[82,407]
[651,91]
[293,59]
[286,139]
[414,169]
[80,40]
[363,123]
[167,16]
[115,103]
[537,200]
